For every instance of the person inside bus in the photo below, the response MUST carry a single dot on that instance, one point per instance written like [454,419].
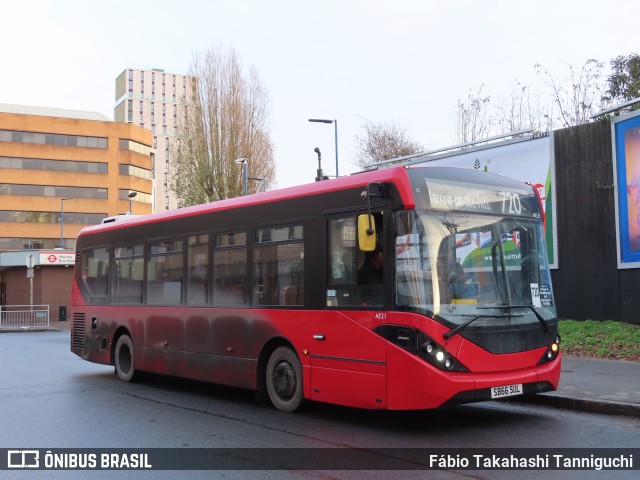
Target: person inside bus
[371,271]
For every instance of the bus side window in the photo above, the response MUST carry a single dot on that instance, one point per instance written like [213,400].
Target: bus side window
[343,272]
[347,286]
[95,271]
[198,270]
[164,273]
[230,269]
[127,281]
[278,266]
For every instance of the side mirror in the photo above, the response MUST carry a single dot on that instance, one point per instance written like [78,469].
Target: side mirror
[366,233]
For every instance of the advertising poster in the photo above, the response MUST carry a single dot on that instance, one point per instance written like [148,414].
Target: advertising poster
[625,131]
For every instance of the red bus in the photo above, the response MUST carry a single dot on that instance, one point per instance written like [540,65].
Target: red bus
[401,288]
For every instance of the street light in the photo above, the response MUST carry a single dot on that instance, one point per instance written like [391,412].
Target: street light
[243,161]
[335,130]
[263,180]
[131,196]
[62,220]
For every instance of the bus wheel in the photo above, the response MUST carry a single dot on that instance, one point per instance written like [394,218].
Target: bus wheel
[284,380]
[124,359]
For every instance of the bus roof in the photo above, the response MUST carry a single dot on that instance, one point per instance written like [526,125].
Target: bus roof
[395,175]
[398,176]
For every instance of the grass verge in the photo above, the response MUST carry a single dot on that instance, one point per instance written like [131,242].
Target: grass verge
[600,339]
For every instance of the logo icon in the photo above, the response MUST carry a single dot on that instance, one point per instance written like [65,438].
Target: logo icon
[23,459]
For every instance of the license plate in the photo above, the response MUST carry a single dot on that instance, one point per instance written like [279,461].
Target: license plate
[506,391]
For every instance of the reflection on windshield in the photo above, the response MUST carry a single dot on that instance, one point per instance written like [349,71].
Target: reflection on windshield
[456,264]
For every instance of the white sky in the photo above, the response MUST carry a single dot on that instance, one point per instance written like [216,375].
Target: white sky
[401,61]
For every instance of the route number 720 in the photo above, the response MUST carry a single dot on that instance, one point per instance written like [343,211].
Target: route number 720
[511,203]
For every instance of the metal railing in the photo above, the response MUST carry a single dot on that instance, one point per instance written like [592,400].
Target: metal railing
[24,316]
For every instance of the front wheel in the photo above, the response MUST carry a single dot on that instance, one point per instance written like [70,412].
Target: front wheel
[284,380]
[124,359]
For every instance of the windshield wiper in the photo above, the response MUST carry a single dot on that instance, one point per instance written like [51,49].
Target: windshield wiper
[455,330]
[509,307]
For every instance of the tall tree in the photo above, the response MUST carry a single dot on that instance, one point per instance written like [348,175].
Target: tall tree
[227,119]
[383,142]
[624,82]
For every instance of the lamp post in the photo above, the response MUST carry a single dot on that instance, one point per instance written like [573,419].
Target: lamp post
[263,180]
[335,131]
[243,161]
[131,196]
[62,220]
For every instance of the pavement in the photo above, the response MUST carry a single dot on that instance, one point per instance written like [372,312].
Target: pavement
[590,385]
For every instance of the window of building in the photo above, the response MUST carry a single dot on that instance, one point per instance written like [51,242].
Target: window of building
[55,165]
[134,171]
[53,139]
[52,191]
[19,216]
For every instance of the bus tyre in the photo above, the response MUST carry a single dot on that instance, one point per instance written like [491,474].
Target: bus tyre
[124,359]
[284,380]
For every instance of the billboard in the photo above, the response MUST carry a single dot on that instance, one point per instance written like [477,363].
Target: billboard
[625,133]
[529,159]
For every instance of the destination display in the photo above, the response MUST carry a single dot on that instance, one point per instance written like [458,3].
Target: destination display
[454,196]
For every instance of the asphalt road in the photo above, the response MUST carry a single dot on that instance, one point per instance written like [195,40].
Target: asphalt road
[51,398]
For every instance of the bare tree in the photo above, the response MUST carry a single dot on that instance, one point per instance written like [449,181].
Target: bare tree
[522,110]
[383,142]
[578,96]
[227,119]
[473,118]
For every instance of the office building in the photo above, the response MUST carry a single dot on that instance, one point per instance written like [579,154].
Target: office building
[155,100]
[61,170]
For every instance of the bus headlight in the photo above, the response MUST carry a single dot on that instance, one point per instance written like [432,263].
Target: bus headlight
[419,343]
[436,355]
[552,351]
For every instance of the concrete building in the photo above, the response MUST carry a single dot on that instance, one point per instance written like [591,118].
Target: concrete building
[155,100]
[61,170]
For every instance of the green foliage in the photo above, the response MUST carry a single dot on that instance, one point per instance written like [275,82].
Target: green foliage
[600,339]
[624,81]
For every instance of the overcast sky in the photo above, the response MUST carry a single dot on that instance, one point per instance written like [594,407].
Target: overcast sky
[401,61]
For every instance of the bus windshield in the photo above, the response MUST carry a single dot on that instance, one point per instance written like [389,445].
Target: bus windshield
[461,266]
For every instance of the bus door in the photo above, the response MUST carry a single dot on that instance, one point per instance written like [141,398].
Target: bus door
[348,360]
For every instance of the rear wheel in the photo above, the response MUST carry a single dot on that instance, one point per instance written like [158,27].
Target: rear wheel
[124,359]
[284,380]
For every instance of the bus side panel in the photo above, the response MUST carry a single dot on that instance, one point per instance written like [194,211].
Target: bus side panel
[163,341]
[86,342]
[234,372]
[349,388]
[223,345]
[413,384]
[348,362]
